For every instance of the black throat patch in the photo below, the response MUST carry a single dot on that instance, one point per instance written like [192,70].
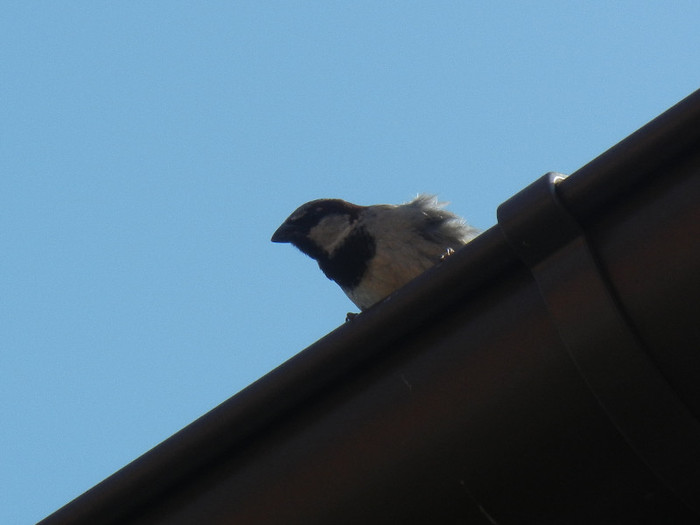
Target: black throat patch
[350,261]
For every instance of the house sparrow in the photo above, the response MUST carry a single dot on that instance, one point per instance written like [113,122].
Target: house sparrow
[371,251]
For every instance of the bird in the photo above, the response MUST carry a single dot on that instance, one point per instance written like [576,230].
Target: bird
[372,251]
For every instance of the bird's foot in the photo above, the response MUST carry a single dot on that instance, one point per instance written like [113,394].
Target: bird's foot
[447,253]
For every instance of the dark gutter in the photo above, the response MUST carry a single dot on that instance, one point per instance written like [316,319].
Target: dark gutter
[547,373]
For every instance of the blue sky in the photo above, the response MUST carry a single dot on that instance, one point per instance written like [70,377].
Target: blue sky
[148,150]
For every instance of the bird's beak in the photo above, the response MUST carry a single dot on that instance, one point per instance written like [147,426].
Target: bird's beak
[284,233]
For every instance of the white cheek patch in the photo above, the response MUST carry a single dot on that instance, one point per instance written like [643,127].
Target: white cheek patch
[330,232]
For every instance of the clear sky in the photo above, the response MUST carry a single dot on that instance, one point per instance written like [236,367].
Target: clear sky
[148,150]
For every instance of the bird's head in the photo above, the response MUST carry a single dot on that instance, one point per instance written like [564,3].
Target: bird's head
[318,227]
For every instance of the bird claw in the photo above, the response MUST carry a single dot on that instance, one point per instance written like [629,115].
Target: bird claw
[447,253]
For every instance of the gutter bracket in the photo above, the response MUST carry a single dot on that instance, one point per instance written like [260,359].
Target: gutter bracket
[608,353]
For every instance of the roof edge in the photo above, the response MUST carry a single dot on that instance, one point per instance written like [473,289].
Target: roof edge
[354,344]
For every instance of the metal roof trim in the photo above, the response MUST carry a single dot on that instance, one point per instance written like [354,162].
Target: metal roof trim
[355,344]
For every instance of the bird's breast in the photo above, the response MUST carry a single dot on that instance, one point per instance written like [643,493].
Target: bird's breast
[350,261]
[385,274]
